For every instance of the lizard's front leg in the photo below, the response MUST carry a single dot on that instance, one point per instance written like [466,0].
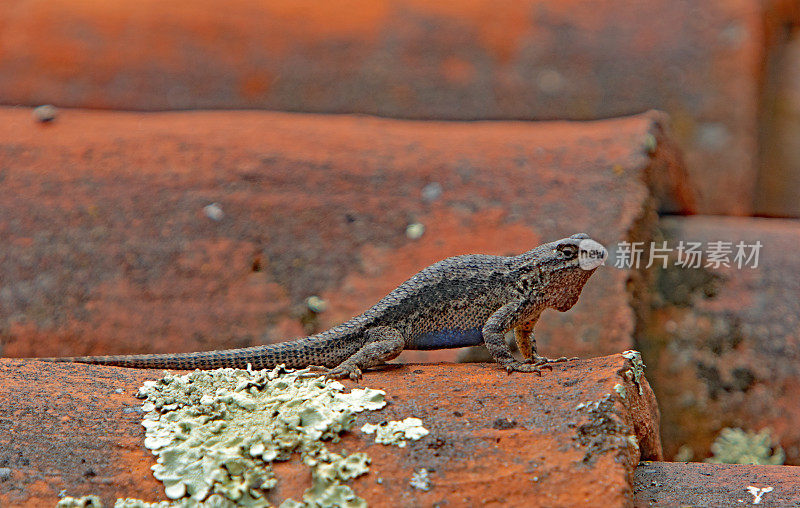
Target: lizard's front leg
[508,317]
[383,344]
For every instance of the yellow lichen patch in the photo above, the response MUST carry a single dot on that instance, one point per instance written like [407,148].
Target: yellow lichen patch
[735,446]
[396,432]
[216,432]
[636,371]
[79,502]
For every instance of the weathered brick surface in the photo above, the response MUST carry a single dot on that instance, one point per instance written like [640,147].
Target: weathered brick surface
[76,428]
[723,344]
[480,59]
[107,247]
[695,484]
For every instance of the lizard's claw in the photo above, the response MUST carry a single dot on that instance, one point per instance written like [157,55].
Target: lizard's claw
[516,366]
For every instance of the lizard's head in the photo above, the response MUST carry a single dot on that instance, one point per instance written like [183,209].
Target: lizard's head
[564,266]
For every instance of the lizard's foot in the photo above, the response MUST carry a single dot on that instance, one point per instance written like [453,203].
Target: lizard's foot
[516,366]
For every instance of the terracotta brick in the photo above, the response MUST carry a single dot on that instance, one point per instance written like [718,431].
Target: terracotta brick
[479,59]
[722,344]
[108,246]
[75,427]
[694,484]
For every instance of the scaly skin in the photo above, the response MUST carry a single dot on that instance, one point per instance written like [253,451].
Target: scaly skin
[460,301]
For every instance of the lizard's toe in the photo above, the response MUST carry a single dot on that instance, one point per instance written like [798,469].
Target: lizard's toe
[343,371]
[516,366]
[314,371]
[335,374]
[564,359]
[542,360]
[355,374]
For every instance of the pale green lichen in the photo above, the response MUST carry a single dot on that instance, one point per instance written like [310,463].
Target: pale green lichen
[138,503]
[215,433]
[636,371]
[620,389]
[604,429]
[421,480]
[735,446]
[633,443]
[650,143]
[396,432]
[79,502]
[684,454]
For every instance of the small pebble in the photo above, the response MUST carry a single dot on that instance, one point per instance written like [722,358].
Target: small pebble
[46,113]
[5,474]
[316,304]
[415,231]
[432,191]
[214,211]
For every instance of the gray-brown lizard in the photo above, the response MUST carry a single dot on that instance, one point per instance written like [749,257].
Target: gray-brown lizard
[460,301]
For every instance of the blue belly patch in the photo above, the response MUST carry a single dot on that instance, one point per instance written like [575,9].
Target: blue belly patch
[442,339]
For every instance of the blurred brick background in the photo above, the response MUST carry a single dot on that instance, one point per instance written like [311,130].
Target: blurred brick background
[705,63]
[108,245]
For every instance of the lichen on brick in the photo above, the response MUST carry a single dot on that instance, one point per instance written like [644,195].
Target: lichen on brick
[216,432]
[604,429]
[90,501]
[396,432]
[421,480]
[636,371]
[735,446]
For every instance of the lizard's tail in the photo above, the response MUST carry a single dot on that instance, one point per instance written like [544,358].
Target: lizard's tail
[296,354]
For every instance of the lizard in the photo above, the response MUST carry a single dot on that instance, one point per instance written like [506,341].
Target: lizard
[460,301]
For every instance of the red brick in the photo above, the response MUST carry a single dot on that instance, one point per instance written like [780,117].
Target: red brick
[722,345]
[693,484]
[58,422]
[107,248]
[478,59]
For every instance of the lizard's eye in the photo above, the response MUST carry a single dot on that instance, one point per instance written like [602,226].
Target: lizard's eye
[568,250]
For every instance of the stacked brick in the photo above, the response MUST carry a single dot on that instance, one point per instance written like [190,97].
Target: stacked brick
[147,229]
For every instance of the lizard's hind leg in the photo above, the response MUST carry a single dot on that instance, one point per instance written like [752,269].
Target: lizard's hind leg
[383,344]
